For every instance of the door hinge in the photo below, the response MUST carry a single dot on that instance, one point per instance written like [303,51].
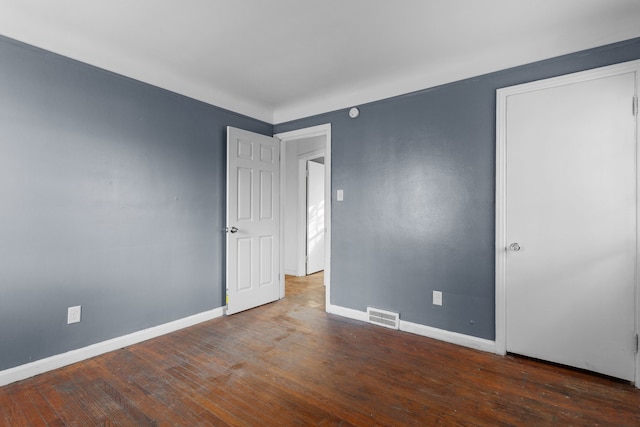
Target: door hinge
[635,344]
[635,105]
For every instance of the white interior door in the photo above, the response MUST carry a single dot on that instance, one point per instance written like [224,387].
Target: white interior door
[315,217]
[253,221]
[571,224]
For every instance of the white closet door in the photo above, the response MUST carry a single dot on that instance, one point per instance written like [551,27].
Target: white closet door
[571,224]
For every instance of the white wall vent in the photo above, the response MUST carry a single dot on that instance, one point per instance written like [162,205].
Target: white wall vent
[384,318]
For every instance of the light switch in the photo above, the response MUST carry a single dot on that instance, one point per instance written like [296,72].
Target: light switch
[73,314]
[437,297]
[340,195]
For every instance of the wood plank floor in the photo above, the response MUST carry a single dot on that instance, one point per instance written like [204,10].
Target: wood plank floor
[289,363]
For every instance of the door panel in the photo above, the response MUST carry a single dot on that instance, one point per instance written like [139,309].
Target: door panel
[244,209]
[266,195]
[253,191]
[571,208]
[266,260]
[243,258]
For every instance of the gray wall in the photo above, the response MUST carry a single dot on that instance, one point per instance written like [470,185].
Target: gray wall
[418,173]
[112,197]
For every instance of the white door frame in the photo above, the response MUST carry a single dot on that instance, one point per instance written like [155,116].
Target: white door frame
[302,207]
[319,130]
[501,139]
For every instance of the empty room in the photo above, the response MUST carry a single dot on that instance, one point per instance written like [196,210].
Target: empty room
[319,213]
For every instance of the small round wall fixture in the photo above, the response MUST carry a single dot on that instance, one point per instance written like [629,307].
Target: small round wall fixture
[354,112]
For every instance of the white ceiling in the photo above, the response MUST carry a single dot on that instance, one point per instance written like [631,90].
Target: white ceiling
[278,60]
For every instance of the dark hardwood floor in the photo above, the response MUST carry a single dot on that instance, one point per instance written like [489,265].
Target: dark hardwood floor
[289,363]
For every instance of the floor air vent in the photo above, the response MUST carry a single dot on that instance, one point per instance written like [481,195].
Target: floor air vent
[383,318]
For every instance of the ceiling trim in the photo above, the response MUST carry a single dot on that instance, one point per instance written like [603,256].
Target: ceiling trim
[426,78]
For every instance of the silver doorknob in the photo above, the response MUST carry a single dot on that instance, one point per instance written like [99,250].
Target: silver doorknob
[232,230]
[514,247]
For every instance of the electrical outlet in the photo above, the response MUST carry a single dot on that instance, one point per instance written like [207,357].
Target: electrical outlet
[437,298]
[73,314]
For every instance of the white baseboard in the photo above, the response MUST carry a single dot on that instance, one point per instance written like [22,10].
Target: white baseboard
[28,370]
[426,331]
[448,336]
[347,312]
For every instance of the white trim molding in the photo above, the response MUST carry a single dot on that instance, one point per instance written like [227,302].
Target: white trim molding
[28,370]
[448,336]
[349,313]
[422,330]
[502,96]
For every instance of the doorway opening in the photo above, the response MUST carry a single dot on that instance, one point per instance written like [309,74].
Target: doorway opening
[314,221]
[306,207]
